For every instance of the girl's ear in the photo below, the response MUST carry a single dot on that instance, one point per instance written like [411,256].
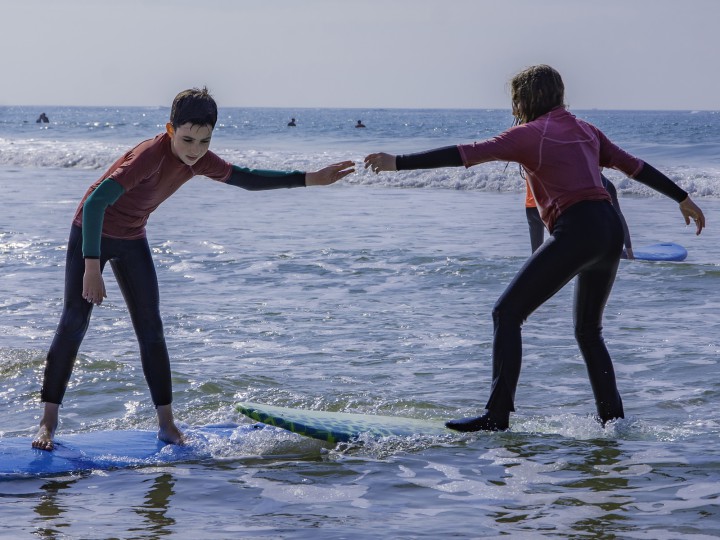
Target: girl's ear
[170,129]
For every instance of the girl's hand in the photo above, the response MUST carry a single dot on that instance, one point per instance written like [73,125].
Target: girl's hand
[690,210]
[93,284]
[380,162]
[330,174]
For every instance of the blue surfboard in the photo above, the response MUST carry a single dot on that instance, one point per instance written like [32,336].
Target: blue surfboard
[665,251]
[104,450]
[334,427]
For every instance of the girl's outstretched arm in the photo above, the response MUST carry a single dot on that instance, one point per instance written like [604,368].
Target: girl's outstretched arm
[380,162]
[656,180]
[690,210]
[447,156]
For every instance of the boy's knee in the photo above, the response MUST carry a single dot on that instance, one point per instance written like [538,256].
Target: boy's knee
[73,324]
[151,334]
[149,327]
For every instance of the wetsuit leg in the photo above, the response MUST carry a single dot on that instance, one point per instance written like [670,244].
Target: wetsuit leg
[538,280]
[535,226]
[135,273]
[591,295]
[72,327]
[587,237]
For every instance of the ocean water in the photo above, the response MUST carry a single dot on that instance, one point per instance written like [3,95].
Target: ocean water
[373,296]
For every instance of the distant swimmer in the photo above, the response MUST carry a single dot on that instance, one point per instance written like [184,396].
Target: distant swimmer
[360,124]
[292,123]
[42,118]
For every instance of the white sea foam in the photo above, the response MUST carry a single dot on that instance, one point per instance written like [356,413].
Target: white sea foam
[684,145]
[495,177]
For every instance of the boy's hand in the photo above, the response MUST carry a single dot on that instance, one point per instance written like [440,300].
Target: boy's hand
[330,174]
[380,162]
[690,210]
[93,284]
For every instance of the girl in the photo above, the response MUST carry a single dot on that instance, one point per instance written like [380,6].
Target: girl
[561,157]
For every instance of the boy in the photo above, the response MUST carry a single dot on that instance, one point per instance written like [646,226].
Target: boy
[109,225]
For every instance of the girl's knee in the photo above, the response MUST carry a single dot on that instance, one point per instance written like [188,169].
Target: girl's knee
[588,335]
[504,314]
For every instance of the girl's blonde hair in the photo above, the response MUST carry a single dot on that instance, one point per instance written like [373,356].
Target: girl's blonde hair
[536,91]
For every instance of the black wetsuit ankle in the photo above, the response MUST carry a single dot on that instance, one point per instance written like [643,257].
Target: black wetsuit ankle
[486,422]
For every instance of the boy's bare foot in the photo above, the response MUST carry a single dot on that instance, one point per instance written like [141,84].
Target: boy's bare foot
[168,431]
[171,435]
[44,438]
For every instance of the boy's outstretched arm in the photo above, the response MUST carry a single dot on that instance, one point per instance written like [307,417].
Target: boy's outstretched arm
[259,180]
[330,174]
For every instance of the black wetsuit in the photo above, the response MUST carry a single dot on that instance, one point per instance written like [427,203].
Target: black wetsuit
[132,264]
[536,226]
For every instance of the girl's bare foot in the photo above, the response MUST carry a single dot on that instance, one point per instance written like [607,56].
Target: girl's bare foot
[48,424]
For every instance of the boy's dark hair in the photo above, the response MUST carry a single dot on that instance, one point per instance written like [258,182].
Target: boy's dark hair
[536,91]
[195,106]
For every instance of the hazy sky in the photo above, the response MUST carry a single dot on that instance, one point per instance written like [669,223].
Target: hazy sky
[612,54]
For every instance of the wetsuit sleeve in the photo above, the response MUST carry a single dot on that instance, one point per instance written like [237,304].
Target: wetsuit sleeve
[656,180]
[104,195]
[448,156]
[258,179]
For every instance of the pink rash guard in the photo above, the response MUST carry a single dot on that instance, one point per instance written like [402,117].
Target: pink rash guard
[561,156]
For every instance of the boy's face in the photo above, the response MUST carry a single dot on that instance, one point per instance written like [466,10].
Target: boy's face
[189,142]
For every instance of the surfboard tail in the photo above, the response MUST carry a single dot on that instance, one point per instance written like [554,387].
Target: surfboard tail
[299,427]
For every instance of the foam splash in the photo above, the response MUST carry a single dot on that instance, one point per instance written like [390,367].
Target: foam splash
[94,155]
